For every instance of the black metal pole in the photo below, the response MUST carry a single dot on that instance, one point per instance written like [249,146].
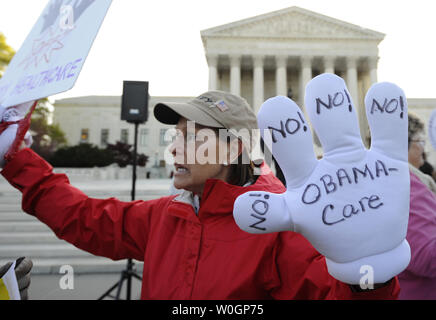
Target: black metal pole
[135,152]
[128,273]
[129,261]
[130,103]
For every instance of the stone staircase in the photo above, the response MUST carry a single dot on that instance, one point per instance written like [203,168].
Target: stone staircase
[23,235]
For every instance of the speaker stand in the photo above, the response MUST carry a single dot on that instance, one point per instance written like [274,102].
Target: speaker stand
[129,272]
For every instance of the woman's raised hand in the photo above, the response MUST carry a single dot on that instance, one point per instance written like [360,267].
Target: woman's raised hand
[14,123]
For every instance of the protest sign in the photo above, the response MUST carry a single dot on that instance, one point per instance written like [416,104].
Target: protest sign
[53,54]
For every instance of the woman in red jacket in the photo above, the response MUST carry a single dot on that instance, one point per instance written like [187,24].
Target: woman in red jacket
[190,243]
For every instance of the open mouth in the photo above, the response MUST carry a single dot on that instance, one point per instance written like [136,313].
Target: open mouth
[180,169]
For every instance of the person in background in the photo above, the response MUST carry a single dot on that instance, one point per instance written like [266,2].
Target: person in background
[416,151]
[418,281]
[416,141]
[427,168]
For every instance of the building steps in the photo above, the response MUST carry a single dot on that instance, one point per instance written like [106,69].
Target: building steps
[23,235]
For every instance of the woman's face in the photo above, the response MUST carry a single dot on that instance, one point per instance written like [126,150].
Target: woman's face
[416,151]
[196,161]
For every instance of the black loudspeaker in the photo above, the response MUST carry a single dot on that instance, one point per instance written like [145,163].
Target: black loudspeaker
[134,104]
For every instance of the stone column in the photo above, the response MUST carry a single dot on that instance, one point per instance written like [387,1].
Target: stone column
[372,66]
[281,76]
[329,64]
[373,69]
[235,74]
[306,76]
[352,85]
[212,61]
[258,82]
[352,79]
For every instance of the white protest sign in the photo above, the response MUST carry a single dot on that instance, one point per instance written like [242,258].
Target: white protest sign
[51,57]
[353,204]
[432,129]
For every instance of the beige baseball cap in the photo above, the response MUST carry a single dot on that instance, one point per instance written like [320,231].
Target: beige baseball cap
[216,109]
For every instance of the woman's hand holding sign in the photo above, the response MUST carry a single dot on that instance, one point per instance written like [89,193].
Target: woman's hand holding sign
[14,124]
[353,204]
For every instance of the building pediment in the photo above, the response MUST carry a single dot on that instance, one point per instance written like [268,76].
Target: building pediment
[293,22]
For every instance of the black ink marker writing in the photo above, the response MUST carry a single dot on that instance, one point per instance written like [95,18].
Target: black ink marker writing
[302,121]
[337,101]
[260,210]
[254,225]
[349,210]
[314,197]
[350,108]
[290,126]
[402,107]
[256,208]
[389,106]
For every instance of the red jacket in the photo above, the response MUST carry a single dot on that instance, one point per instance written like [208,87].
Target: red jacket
[185,256]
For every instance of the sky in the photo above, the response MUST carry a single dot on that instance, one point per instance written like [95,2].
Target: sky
[160,42]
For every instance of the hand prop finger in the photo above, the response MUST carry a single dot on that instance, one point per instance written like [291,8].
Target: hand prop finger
[262,212]
[332,114]
[287,134]
[386,110]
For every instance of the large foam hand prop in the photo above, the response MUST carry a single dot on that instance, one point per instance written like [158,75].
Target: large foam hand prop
[14,123]
[353,204]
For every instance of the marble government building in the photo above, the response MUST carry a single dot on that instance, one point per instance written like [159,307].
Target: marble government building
[272,54]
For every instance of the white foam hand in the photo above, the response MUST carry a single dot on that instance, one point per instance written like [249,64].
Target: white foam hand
[353,204]
[9,129]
